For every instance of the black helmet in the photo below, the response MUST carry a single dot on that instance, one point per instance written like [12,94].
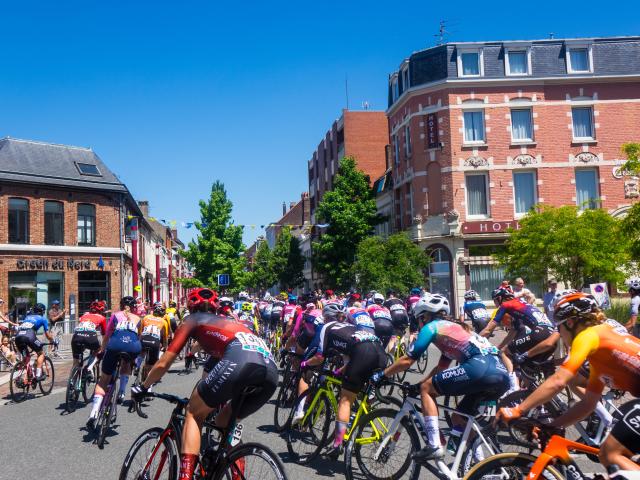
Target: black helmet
[128,301]
[39,308]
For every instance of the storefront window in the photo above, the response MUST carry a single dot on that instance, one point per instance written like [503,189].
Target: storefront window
[92,286]
[29,288]
[440,272]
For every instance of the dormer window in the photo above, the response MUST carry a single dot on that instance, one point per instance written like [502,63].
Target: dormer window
[405,79]
[470,63]
[579,58]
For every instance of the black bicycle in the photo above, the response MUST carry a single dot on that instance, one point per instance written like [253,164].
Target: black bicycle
[80,380]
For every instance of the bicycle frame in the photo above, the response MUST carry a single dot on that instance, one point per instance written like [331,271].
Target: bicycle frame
[560,448]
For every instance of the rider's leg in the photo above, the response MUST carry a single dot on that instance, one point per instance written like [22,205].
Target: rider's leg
[430,412]
[98,394]
[612,452]
[197,412]
[344,412]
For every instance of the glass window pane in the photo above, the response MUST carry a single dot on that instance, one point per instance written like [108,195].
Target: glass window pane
[524,186]
[473,127]
[517,63]
[521,125]
[470,63]
[18,220]
[86,209]
[582,125]
[476,195]
[53,223]
[586,188]
[484,279]
[579,58]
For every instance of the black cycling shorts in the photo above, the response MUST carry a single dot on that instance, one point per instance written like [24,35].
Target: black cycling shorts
[82,341]
[524,342]
[151,343]
[400,320]
[364,359]
[274,319]
[413,324]
[236,370]
[174,324]
[384,330]
[26,339]
[627,429]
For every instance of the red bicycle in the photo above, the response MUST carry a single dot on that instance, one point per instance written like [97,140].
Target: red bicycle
[23,377]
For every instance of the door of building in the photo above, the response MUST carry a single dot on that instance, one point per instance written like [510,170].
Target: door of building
[93,285]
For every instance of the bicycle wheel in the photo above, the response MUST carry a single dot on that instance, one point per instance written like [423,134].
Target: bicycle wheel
[509,466]
[306,438]
[402,352]
[422,362]
[87,381]
[393,449]
[107,413]
[73,393]
[284,404]
[386,389]
[46,385]
[150,458]
[251,461]
[478,452]
[18,387]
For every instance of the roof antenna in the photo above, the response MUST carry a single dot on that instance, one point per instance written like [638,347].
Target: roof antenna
[365,105]
[442,32]
[551,35]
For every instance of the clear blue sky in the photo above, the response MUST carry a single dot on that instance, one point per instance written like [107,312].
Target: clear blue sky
[173,95]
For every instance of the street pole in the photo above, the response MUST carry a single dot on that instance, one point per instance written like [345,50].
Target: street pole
[134,253]
[158,299]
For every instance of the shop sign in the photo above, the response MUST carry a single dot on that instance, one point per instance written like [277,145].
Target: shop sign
[53,264]
[164,275]
[432,130]
[489,227]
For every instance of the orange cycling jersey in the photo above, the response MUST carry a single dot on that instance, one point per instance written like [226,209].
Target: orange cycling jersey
[613,355]
[154,326]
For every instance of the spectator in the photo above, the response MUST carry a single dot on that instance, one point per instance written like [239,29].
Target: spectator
[552,287]
[634,292]
[6,350]
[519,289]
[530,298]
[55,314]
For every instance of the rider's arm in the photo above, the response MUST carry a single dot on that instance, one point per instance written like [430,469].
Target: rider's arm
[160,368]
[488,330]
[579,410]
[508,339]
[544,346]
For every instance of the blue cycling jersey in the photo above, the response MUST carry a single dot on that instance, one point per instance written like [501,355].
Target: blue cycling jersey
[475,310]
[34,322]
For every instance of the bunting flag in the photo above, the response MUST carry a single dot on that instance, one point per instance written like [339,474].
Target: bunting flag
[191,224]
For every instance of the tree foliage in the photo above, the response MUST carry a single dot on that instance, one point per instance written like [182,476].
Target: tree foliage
[262,276]
[631,223]
[573,246]
[395,263]
[350,211]
[632,151]
[287,260]
[218,246]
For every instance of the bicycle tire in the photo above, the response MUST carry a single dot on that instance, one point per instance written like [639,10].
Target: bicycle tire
[72,394]
[168,450]
[106,417]
[284,404]
[402,352]
[18,393]
[386,389]
[47,368]
[468,460]
[86,382]
[357,447]
[243,451]
[303,434]
[520,463]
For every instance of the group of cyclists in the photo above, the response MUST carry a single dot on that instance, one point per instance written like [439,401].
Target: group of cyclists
[243,336]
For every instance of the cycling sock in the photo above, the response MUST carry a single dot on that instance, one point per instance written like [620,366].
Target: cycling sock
[478,453]
[300,408]
[138,362]
[97,402]
[513,381]
[124,379]
[341,428]
[604,415]
[432,429]
[187,465]
[38,372]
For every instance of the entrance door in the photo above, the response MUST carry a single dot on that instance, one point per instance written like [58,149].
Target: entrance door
[440,273]
[93,285]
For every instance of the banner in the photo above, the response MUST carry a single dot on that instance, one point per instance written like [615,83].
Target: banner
[601,294]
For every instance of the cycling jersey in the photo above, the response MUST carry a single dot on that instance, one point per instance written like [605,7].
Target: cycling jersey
[248,320]
[399,315]
[411,301]
[85,335]
[172,316]
[477,313]
[307,331]
[91,322]
[276,311]
[522,315]
[26,334]
[122,329]
[153,326]
[360,318]
[613,355]
[290,312]
[340,338]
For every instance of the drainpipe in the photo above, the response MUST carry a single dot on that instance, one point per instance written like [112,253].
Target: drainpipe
[134,253]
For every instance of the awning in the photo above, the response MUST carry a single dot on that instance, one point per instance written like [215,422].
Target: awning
[479,260]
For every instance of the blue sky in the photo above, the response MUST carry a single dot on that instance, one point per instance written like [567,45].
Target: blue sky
[173,95]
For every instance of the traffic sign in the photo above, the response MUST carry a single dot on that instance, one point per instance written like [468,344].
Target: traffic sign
[223,280]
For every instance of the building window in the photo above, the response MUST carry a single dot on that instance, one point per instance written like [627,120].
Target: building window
[517,62]
[582,118]
[18,220]
[86,224]
[53,223]
[521,125]
[587,188]
[439,280]
[405,79]
[578,60]
[474,126]
[27,288]
[470,63]
[524,191]
[484,279]
[477,198]
[93,285]
[88,169]
[407,141]
[396,150]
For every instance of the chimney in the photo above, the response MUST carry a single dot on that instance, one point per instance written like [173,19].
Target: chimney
[174,233]
[284,208]
[292,204]
[144,207]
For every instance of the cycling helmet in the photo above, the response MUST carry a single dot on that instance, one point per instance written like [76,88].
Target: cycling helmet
[292,298]
[415,291]
[502,293]
[573,304]
[333,311]
[355,297]
[247,307]
[200,296]
[431,304]
[97,306]
[226,302]
[634,284]
[39,308]
[243,296]
[558,295]
[128,301]
[310,306]
[378,298]
[158,308]
[471,295]
[172,304]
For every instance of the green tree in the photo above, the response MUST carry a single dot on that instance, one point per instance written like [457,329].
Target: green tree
[287,260]
[631,223]
[632,151]
[395,263]
[218,246]
[573,246]
[350,212]
[262,276]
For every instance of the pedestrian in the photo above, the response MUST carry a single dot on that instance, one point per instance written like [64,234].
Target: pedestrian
[634,292]
[519,289]
[547,299]
[55,314]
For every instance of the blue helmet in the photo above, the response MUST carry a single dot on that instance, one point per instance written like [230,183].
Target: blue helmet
[416,291]
[39,308]
[292,298]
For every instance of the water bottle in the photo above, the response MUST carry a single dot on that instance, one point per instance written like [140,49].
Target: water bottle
[454,441]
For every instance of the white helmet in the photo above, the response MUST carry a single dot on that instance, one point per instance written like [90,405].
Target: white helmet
[431,304]
[243,296]
[378,297]
[634,284]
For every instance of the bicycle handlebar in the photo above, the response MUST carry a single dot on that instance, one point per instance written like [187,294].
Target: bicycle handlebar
[137,406]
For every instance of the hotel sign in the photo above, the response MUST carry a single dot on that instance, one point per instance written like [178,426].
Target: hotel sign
[489,227]
[432,131]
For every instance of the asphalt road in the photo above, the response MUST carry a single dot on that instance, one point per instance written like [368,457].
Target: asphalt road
[39,440]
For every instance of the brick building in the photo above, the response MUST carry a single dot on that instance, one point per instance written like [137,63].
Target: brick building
[481,132]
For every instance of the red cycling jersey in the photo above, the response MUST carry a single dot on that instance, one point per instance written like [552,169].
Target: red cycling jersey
[92,322]
[213,332]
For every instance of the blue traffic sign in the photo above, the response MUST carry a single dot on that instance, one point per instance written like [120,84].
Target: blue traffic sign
[223,280]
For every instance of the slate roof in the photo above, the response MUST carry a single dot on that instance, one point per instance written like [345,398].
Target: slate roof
[27,161]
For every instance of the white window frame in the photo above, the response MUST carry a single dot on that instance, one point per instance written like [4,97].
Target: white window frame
[480,53]
[592,138]
[535,190]
[488,193]
[523,140]
[408,148]
[579,46]
[507,66]
[598,189]
[484,128]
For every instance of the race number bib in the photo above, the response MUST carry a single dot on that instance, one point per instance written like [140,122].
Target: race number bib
[127,325]
[252,343]
[480,314]
[152,330]
[397,307]
[86,327]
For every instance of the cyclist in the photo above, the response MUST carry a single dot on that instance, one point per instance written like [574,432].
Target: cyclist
[26,335]
[612,354]
[154,333]
[633,325]
[243,361]
[475,311]
[85,335]
[381,320]
[246,316]
[225,307]
[399,318]
[276,312]
[412,299]
[174,315]
[479,369]
[121,337]
[290,313]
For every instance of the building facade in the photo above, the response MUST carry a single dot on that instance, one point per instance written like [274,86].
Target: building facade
[479,133]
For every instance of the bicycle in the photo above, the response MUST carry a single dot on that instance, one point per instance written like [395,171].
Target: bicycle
[155,453]
[23,379]
[80,378]
[287,393]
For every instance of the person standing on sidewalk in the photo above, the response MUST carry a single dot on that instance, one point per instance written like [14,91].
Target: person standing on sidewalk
[55,314]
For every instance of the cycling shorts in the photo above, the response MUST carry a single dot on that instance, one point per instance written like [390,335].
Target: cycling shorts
[82,341]
[210,364]
[120,342]
[304,338]
[524,341]
[174,324]
[627,429]
[400,319]
[236,370]
[151,343]
[364,359]
[413,324]
[479,324]
[27,338]
[384,331]
[274,319]
[481,374]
